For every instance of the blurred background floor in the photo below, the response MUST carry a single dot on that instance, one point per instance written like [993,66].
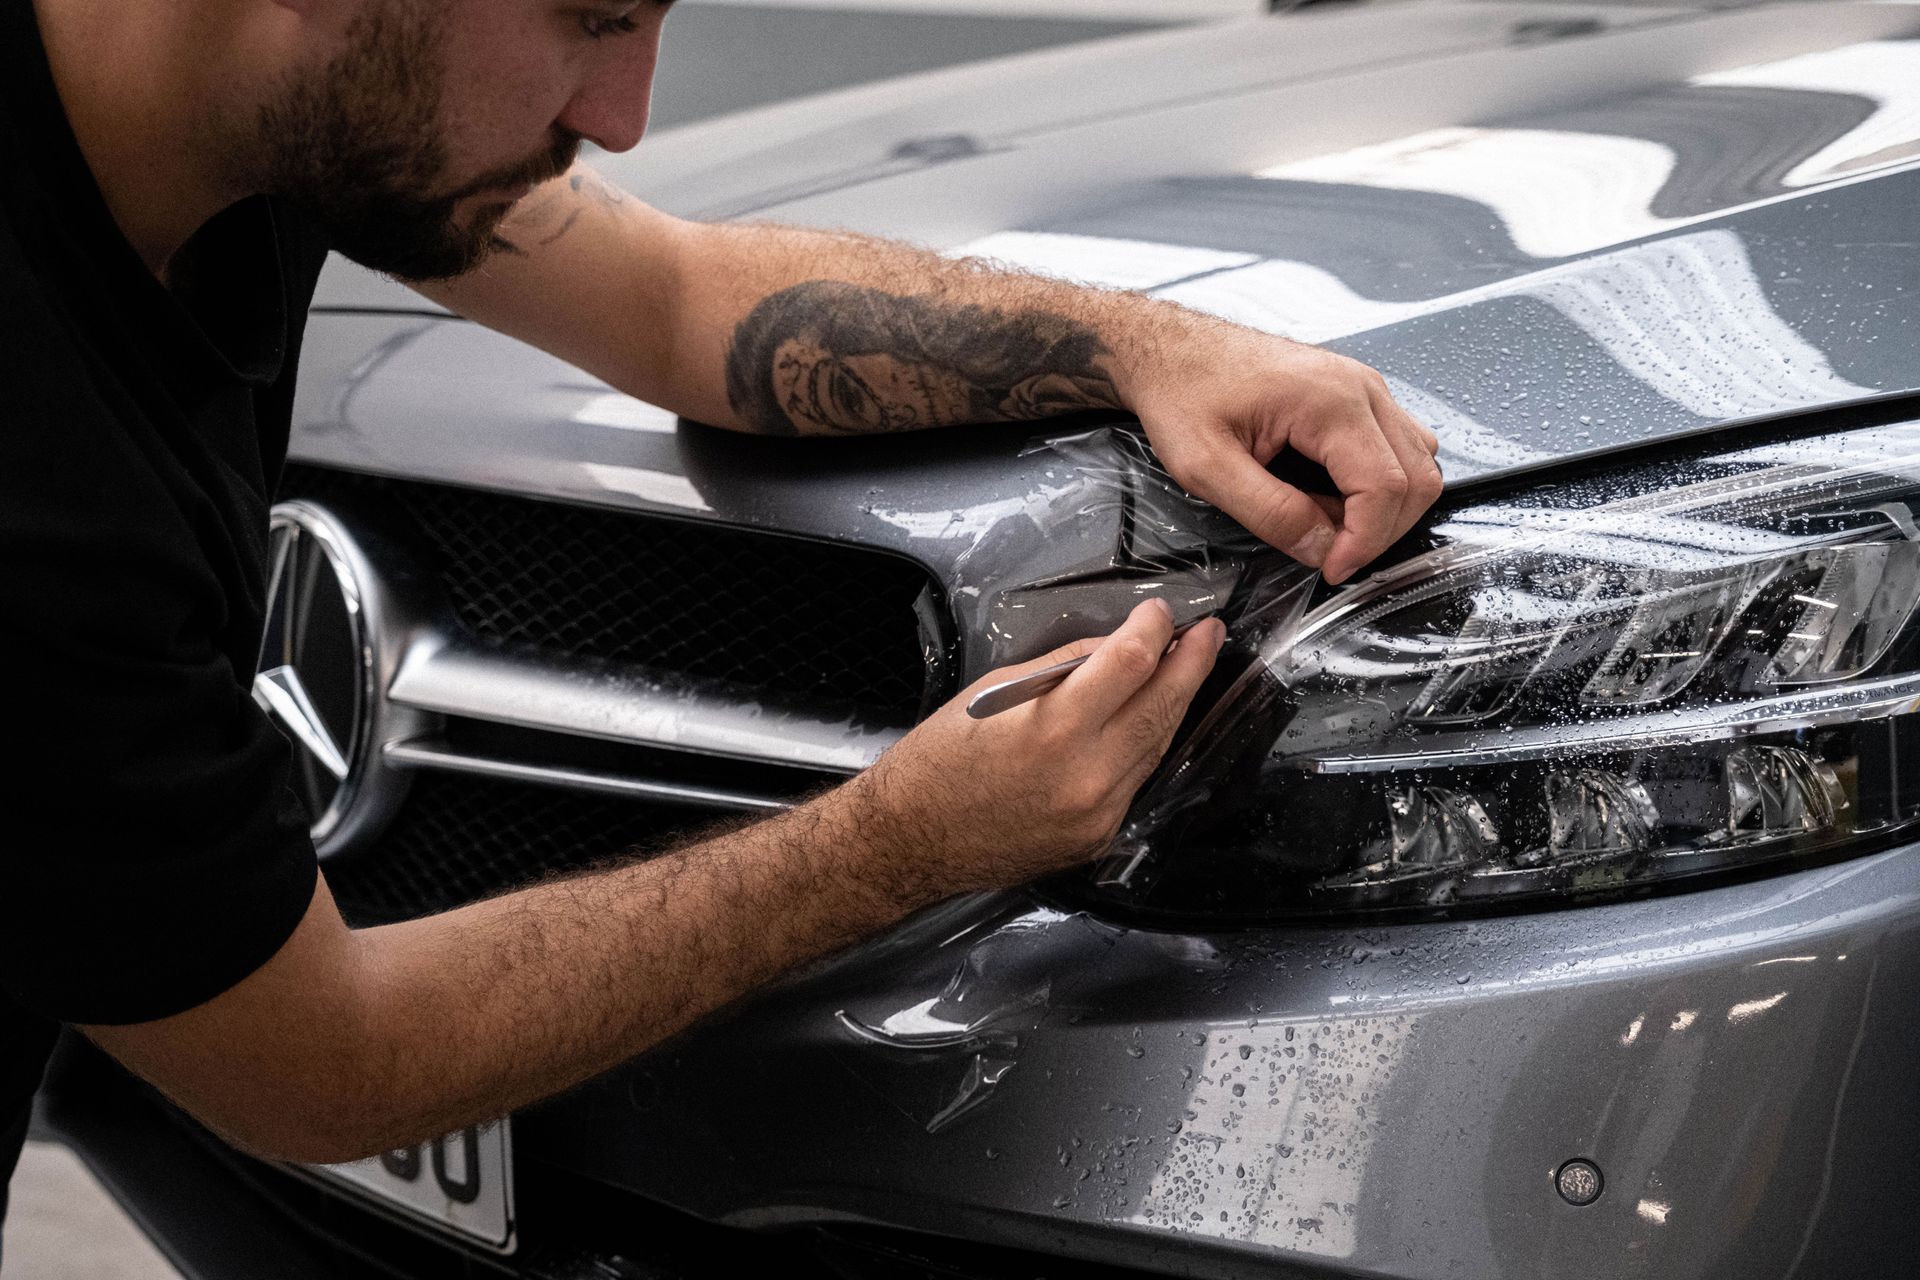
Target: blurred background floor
[62,1226]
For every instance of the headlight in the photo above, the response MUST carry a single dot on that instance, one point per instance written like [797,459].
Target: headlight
[1599,685]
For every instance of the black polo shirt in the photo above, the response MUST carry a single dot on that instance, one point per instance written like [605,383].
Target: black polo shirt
[151,851]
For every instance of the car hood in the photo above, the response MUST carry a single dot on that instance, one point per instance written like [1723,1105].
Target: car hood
[1555,229]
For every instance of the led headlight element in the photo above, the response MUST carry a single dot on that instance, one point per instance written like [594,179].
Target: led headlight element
[1645,674]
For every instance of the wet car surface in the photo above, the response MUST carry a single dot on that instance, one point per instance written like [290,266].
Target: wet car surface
[1650,273]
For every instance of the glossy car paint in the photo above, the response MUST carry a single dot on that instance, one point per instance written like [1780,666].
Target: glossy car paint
[1558,230]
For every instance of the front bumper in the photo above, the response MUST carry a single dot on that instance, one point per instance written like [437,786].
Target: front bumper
[1382,1101]
[1378,1101]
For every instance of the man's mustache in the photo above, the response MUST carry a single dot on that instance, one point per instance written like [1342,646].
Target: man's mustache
[542,168]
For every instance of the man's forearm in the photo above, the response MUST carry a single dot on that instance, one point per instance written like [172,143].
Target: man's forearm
[789,331]
[549,985]
[819,333]
[354,1043]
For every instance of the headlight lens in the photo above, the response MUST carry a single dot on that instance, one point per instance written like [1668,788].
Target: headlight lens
[1591,686]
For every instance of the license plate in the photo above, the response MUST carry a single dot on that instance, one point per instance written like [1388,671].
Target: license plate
[461,1184]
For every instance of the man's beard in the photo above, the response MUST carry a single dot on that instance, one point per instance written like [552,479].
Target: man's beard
[359,148]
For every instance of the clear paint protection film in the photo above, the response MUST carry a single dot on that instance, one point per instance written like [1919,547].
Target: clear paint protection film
[947,1051]
[1646,673]
[1108,529]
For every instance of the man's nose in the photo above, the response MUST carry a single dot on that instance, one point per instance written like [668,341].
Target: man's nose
[610,110]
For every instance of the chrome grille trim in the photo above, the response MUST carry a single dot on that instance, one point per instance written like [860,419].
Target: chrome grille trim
[447,676]
[430,754]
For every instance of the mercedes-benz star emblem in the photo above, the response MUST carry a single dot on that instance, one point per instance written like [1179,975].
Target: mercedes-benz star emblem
[315,674]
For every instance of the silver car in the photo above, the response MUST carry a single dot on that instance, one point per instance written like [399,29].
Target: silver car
[1544,903]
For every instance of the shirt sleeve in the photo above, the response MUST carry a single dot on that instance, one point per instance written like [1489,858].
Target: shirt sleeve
[154,854]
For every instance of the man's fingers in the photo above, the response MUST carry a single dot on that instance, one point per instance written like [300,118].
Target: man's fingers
[1368,471]
[1149,718]
[1120,665]
[1404,437]
[1398,423]
[1271,509]
[1409,442]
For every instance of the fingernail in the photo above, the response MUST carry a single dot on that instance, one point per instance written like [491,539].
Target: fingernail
[1312,549]
[1164,606]
[1219,635]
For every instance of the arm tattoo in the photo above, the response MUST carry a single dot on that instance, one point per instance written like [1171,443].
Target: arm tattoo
[594,187]
[826,357]
[537,214]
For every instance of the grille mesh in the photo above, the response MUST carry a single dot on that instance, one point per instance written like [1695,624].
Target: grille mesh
[770,615]
[459,838]
[779,616]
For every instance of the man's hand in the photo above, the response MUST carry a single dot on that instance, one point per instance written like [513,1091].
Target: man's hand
[980,804]
[1220,402]
[337,1047]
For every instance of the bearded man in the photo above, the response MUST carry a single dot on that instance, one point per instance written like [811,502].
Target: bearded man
[172,176]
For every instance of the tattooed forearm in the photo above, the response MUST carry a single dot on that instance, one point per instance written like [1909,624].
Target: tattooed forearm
[827,357]
[541,219]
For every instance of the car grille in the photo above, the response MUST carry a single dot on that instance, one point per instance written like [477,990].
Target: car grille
[769,615]
[754,617]
[460,838]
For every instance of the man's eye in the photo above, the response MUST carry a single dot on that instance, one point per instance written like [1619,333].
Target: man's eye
[599,26]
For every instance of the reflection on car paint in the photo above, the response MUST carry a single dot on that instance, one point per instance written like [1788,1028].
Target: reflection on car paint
[1885,72]
[1465,445]
[1566,191]
[1557,193]
[1688,317]
[1278,1131]
[616,409]
[656,488]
